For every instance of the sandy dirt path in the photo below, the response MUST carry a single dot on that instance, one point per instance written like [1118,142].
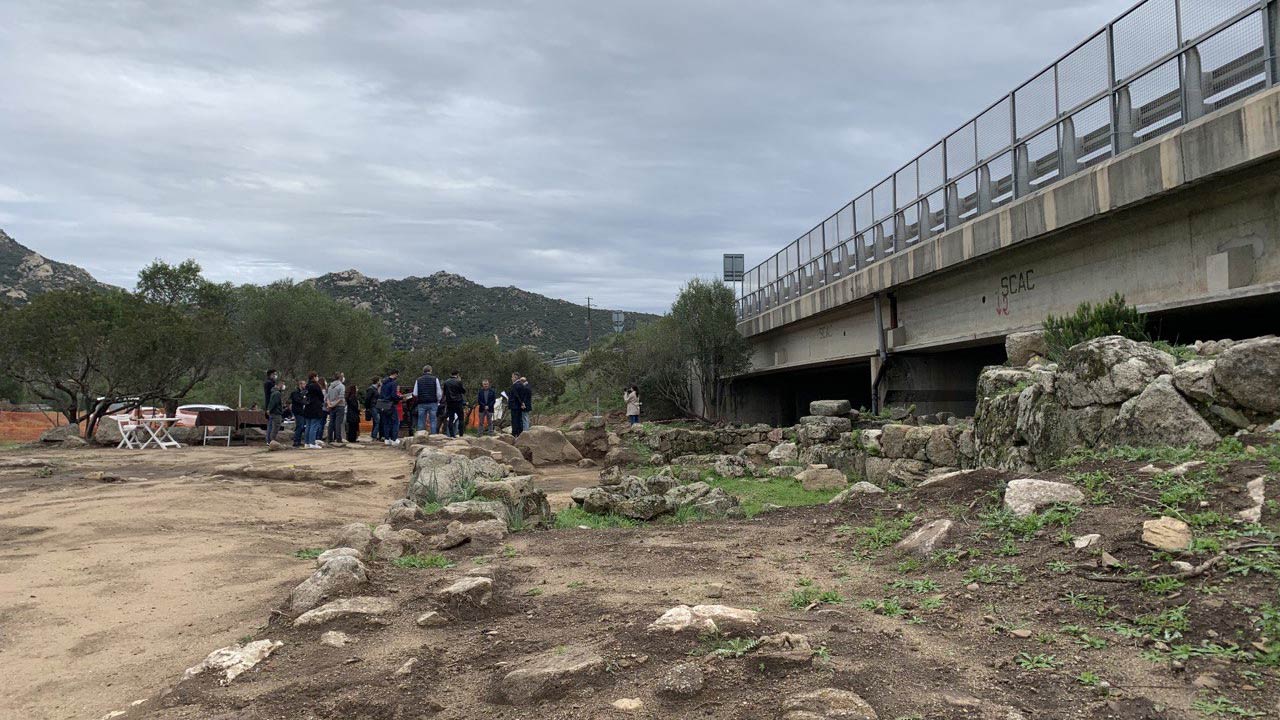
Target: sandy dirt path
[109,591]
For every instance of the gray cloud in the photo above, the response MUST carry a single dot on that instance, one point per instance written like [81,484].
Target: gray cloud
[570,148]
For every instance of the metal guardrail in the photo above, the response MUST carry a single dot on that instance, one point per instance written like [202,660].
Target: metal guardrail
[566,361]
[1161,64]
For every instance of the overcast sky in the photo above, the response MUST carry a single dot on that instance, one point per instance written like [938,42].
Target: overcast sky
[610,149]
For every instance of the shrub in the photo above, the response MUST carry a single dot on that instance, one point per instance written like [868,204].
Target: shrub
[1112,317]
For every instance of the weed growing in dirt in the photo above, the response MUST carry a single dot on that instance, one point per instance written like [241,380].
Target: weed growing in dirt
[889,607]
[1163,585]
[1005,524]
[1039,661]
[808,594]
[715,645]
[424,562]
[946,558]
[685,514]
[1097,484]
[1089,679]
[1093,604]
[909,565]
[1167,625]
[533,592]
[308,553]
[883,532]
[754,495]
[1058,567]
[1222,706]
[575,517]
[919,587]
[992,574]
[509,551]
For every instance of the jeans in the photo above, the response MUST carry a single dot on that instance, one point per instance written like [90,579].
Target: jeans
[337,423]
[273,426]
[486,422]
[299,429]
[375,417]
[528,418]
[633,419]
[453,423]
[425,411]
[314,426]
[391,424]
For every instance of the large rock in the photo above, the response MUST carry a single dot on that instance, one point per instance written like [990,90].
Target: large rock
[510,454]
[521,495]
[1158,417]
[1027,495]
[681,681]
[1109,371]
[1166,533]
[403,511]
[783,453]
[707,619]
[622,455]
[339,575]
[358,536]
[550,675]
[548,446]
[1021,347]
[645,507]
[856,490]
[818,429]
[822,479]
[469,510]
[439,477]
[60,433]
[925,539]
[827,704]
[1195,380]
[473,591]
[941,448]
[885,471]
[731,466]
[1249,372]
[830,408]
[345,608]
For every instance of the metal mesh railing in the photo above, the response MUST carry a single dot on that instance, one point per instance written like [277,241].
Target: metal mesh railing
[1157,66]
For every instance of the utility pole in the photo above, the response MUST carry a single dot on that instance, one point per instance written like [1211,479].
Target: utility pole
[588,322]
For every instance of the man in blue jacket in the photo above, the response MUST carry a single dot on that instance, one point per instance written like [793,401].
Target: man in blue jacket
[485,400]
[388,405]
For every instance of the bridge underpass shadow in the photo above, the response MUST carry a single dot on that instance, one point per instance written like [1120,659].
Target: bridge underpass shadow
[781,399]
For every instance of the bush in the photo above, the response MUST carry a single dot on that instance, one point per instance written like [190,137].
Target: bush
[1112,317]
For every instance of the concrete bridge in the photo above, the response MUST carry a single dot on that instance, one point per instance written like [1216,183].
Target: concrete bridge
[1144,165]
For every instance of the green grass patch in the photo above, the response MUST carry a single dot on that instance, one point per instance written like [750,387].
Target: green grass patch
[574,517]
[308,553]
[424,562]
[883,532]
[755,494]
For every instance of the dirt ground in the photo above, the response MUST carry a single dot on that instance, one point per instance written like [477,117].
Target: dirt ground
[1006,621]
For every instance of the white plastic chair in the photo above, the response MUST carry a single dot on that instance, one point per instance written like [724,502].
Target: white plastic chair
[128,429]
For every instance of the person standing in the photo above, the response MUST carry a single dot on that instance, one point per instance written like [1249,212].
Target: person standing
[632,398]
[388,405]
[371,406]
[527,399]
[268,387]
[298,405]
[353,413]
[485,400]
[515,396]
[428,392]
[275,411]
[314,410]
[335,398]
[455,398]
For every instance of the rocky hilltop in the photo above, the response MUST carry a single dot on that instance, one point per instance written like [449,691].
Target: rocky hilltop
[25,273]
[446,308]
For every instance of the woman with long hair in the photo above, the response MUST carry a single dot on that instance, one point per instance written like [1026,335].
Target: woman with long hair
[353,413]
[631,396]
[313,411]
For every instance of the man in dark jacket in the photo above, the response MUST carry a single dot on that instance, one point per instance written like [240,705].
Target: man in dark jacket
[485,400]
[298,404]
[388,401]
[268,387]
[455,398]
[428,394]
[371,406]
[515,396]
[526,398]
[275,412]
[313,411]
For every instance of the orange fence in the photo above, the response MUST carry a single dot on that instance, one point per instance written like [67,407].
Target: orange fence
[26,426]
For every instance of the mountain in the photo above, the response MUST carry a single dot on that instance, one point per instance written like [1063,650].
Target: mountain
[25,273]
[447,308]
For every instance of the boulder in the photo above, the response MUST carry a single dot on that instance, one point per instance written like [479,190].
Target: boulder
[484,533]
[731,466]
[508,454]
[646,507]
[234,660]
[681,681]
[597,501]
[340,574]
[926,539]
[473,591]
[345,608]
[1249,372]
[1027,495]
[611,475]
[332,553]
[521,495]
[1230,416]
[550,675]
[830,408]
[704,619]
[940,449]
[784,471]
[477,510]
[783,453]
[439,476]
[858,489]
[819,429]
[548,446]
[827,704]
[884,471]
[403,511]
[1195,380]
[1166,533]
[393,544]
[1109,370]
[622,455]
[61,433]
[1021,347]
[1159,416]
[822,479]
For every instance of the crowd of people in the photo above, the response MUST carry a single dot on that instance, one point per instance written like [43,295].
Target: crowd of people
[328,411]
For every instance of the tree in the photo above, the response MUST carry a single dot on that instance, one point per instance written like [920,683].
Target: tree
[172,285]
[706,329]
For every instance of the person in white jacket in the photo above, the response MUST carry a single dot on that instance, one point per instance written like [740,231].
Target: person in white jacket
[631,396]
